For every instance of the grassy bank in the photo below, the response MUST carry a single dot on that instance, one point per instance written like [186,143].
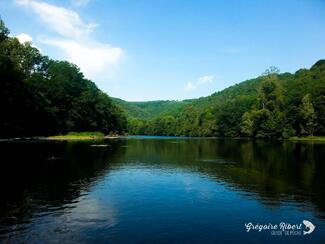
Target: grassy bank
[78,136]
[308,138]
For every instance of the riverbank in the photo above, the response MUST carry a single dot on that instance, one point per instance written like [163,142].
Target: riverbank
[101,136]
[308,138]
[82,136]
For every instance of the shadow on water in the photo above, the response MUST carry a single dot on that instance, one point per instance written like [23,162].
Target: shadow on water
[44,178]
[39,176]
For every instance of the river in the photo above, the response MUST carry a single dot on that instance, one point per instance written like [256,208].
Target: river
[161,190]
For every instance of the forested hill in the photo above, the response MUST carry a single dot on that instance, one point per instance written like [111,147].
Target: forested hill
[148,110]
[271,106]
[40,96]
[151,109]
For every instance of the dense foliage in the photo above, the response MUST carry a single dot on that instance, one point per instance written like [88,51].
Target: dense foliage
[271,106]
[40,96]
[150,109]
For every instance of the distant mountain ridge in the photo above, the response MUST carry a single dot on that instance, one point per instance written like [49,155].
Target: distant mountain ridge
[273,105]
[151,109]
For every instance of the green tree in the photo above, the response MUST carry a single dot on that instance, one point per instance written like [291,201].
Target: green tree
[40,96]
[247,123]
[4,31]
[270,93]
[308,115]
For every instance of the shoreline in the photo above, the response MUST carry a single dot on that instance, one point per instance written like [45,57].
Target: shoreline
[87,137]
[75,138]
[307,138]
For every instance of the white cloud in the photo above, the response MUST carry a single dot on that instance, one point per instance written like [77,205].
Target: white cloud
[23,38]
[80,2]
[63,21]
[206,79]
[189,86]
[96,60]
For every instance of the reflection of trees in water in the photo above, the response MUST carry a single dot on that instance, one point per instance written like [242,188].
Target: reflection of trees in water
[276,171]
[35,177]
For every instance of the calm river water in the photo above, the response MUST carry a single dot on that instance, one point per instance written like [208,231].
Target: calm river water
[161,190]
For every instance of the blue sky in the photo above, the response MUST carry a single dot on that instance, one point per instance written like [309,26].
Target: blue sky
[171,49]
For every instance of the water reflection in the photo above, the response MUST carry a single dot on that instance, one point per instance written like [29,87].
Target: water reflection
[168,189]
